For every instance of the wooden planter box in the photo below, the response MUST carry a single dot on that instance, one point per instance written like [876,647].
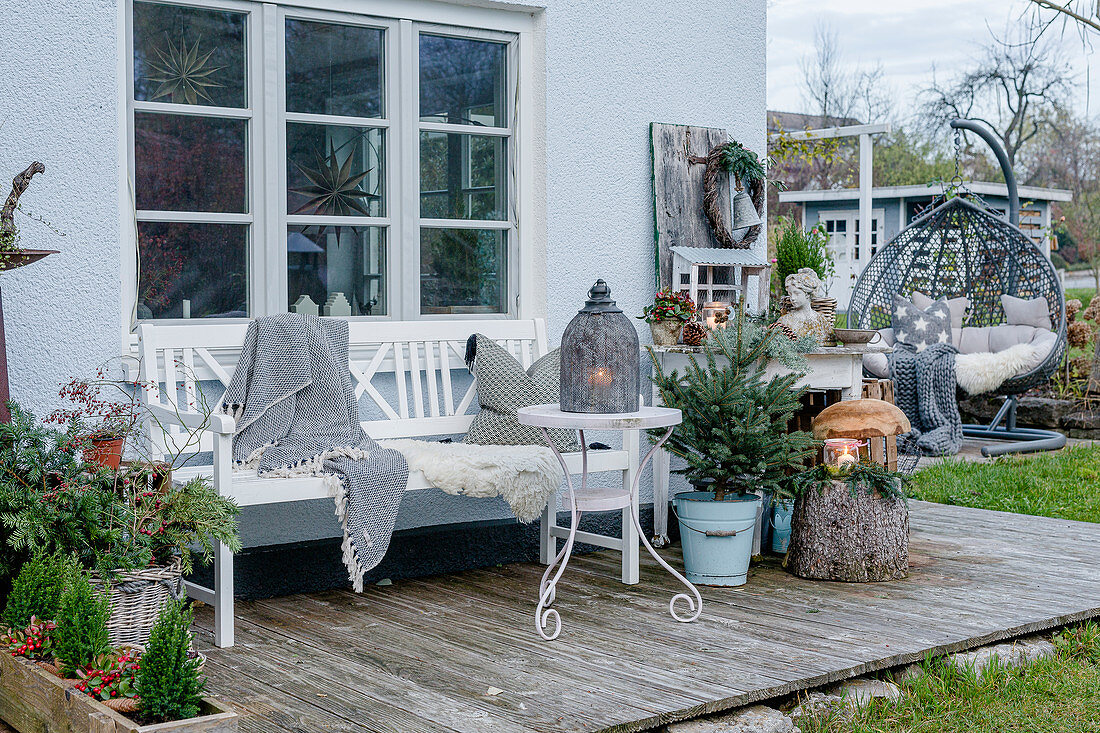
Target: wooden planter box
[34,701]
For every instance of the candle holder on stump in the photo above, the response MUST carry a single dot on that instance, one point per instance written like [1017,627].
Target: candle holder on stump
[845,526]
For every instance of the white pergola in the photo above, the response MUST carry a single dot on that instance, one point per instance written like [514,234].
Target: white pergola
[866,159]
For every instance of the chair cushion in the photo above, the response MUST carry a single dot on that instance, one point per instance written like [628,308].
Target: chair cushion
[920,328]
[1026,312]
[503,386]
[958,307]
[978,340]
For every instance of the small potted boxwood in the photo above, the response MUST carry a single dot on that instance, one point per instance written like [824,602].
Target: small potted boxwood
[733,439]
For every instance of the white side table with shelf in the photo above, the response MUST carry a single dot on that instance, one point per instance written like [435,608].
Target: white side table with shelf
[585,499]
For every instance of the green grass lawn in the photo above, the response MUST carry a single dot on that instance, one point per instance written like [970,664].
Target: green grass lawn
[1082,294]
[1060,694]
[1064,484]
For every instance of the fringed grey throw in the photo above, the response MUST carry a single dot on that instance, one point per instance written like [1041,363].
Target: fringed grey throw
[924,389]
[297,414]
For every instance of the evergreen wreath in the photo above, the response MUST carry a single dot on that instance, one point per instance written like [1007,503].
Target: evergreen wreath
[736,161]
[866,476]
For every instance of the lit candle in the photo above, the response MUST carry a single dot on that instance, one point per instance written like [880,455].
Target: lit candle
[602,377]
[841,454]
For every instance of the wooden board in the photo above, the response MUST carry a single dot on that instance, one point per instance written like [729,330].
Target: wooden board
[421,655]
[678,190]
[883,450]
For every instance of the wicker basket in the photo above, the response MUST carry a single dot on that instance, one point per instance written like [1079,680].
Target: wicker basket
[137,597]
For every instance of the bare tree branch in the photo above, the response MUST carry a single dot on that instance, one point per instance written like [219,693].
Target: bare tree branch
[1067,9]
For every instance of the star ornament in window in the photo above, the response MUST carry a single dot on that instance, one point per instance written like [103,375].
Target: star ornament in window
[333,190]
[184,75]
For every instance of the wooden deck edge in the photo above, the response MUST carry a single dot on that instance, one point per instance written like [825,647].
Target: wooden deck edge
[898,660]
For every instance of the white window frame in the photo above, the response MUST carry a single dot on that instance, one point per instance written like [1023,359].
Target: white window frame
[403,20]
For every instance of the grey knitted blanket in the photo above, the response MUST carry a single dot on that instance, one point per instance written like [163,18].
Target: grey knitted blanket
[924,389]
[297,414]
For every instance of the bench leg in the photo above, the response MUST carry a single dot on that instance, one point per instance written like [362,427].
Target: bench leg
[630,533]
[548,543]
[223,596]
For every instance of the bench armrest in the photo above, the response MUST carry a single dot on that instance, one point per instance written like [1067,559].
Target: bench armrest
[217,422]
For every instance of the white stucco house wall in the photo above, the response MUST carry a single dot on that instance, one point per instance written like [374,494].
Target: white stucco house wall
[577,85]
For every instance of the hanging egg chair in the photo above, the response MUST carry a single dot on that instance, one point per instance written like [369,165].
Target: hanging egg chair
[963,249]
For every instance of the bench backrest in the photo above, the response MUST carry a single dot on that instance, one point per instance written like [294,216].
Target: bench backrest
[404,368]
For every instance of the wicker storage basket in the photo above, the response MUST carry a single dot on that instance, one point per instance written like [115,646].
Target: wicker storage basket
[137,597]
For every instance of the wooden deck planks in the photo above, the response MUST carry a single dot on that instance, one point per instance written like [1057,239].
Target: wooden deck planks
[420,656]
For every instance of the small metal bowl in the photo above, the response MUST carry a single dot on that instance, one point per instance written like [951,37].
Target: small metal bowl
[856,335]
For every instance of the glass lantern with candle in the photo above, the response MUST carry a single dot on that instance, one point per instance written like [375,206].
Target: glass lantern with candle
[841,454]
[716,314]
[848,427]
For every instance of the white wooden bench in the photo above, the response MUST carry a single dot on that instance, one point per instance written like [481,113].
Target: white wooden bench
[405,371]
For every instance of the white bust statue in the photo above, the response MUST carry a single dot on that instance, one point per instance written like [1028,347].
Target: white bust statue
[802,319]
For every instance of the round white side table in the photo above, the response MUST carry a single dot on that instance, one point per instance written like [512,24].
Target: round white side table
[601,499]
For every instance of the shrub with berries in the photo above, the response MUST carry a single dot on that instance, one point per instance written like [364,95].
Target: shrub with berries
[111,677]
[35,642]
[103,407]
[669,305]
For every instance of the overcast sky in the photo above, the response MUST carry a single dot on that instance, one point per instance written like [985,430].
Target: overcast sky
[908,37]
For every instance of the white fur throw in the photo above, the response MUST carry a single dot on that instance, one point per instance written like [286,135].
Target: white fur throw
[985,371]
[527,476]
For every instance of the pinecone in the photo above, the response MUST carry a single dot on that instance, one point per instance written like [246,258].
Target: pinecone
[1079,334]
[694,333]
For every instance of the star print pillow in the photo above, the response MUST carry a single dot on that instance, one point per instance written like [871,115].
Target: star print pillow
[918,329]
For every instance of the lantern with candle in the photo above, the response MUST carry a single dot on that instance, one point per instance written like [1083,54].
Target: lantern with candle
[600,358]
[847,427]
[716,314]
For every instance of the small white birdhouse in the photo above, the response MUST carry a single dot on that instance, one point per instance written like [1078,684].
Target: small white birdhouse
[710,274]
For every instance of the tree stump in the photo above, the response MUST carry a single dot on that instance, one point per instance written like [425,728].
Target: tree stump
[855,537]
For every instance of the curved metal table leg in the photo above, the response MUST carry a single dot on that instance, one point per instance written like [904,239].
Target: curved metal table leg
[548,589]
[695,604]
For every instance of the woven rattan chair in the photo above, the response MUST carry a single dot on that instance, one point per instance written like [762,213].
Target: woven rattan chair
[961,248]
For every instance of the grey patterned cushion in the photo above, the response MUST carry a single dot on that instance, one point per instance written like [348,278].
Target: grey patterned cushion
[918,328]
[503,387]
[958,306]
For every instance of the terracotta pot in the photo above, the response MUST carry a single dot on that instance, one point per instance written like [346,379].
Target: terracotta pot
[105,452]
[666,333]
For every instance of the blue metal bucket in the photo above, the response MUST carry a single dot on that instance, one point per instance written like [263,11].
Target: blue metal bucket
[781,526]
[716,536]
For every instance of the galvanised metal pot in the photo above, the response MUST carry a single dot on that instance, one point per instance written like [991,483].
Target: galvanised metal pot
[716,536]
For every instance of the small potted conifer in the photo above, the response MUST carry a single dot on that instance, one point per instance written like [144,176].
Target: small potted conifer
[733,440]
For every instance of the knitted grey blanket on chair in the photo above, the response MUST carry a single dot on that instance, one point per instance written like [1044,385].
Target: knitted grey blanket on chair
[297,414]
[924,389]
